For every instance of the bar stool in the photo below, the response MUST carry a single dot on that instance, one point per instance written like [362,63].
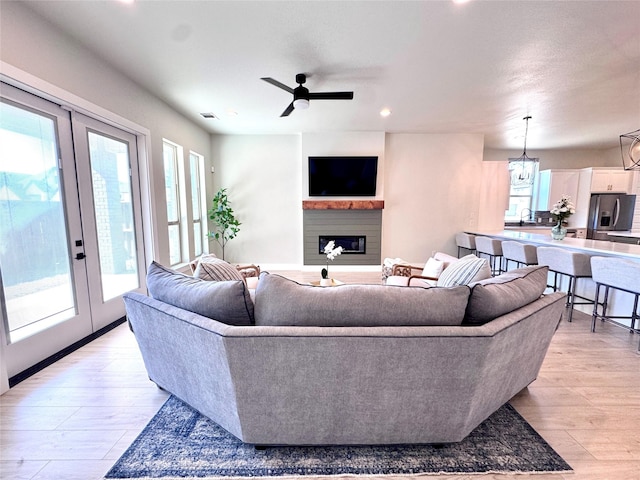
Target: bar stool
[492,248]
[521,253]
[619,274]
[570,264]
[467,241]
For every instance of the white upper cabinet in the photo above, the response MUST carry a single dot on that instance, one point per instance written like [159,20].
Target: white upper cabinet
[552,184]
[610,180]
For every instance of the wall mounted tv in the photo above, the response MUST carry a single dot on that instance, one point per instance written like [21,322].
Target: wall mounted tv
[342,176]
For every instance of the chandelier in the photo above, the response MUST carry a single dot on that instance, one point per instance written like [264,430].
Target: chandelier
[523,167]
[630,150]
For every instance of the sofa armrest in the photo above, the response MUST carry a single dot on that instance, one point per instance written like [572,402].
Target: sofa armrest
[425,279]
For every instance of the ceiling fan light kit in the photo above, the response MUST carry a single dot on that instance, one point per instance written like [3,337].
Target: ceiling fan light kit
[301,104]
[302,96]
[630,150]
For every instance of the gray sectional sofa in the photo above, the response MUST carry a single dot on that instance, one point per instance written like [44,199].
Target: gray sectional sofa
[353,364]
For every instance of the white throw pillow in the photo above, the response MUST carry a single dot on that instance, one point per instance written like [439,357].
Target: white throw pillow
[467,270]
[433,268]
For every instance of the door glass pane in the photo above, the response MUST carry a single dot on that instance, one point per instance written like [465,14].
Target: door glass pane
[114,215]
[34,248]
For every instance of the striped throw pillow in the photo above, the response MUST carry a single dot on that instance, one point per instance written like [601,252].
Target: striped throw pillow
[216,270]
[467,270]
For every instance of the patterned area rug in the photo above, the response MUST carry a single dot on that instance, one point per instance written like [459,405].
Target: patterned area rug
[180,443]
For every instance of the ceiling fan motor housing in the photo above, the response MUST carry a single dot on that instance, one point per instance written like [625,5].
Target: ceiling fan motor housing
[301,93]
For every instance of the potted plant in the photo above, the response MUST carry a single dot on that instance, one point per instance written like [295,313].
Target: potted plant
[331,251]
[226,225]
[560,212]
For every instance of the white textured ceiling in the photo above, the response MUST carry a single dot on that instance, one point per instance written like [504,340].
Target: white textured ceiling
[441,67]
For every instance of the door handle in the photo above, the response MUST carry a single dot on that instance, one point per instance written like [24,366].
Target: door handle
[617,214]
[80,256]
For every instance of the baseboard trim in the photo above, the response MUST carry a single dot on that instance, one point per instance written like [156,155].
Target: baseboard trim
[19,377]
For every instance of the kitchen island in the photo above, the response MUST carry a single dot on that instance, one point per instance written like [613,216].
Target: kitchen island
[620,303]
[590,247]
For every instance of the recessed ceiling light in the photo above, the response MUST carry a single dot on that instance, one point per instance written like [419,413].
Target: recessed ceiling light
[385,112]
[210,115]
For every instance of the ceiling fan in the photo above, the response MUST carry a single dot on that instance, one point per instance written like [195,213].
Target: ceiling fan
[301,95]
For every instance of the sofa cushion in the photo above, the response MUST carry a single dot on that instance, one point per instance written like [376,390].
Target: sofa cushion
[228,302]
[505,293]
[212,268]
[467,270]
[280,301]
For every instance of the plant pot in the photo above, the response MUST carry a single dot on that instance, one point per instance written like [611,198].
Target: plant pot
[325,282]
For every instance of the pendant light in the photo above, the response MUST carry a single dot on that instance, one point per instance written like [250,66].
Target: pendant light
[630,150]
[525,176]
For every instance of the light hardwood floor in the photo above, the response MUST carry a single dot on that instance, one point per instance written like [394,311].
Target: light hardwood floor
[74,419]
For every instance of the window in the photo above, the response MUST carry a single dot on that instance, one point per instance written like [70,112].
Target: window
[185,203]
[196,164]
[522,174]
[170,153]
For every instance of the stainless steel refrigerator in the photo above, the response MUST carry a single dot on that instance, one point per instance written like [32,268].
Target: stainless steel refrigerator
[609,212]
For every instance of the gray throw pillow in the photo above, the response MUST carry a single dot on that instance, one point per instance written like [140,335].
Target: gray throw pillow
[505,293]
[214,269]
[280,301]
[228,302]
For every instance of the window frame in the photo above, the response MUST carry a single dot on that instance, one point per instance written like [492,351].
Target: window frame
[196,169]
[512,166]
[175,150]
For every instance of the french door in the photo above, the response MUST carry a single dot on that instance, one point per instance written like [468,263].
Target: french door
[70,226]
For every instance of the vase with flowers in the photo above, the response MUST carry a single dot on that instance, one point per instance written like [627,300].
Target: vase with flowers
[331,251]
[560,212]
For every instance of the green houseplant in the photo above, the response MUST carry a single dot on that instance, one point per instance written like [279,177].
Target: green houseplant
[226,225]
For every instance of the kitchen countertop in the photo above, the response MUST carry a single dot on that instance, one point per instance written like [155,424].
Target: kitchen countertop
[591,247]
[624,234]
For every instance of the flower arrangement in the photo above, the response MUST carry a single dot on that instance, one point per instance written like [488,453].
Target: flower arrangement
[563,209]
[331,251]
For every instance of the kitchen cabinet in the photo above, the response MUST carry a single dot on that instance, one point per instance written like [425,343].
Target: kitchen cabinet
[553,184]
[599,180]
[610,181]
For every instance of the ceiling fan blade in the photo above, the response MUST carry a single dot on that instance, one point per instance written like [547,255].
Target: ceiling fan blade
[331,96]
[287,110]
[276,83]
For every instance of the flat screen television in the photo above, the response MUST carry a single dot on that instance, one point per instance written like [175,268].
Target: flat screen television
[342,176]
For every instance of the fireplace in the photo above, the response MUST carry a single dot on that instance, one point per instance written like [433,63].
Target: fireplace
[358,232]
[351,244]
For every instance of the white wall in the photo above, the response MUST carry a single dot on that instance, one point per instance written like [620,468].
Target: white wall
[266,178]
[263,177]
[34,46]
[344,143]
[432,187]
[576,158]
[432,191]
